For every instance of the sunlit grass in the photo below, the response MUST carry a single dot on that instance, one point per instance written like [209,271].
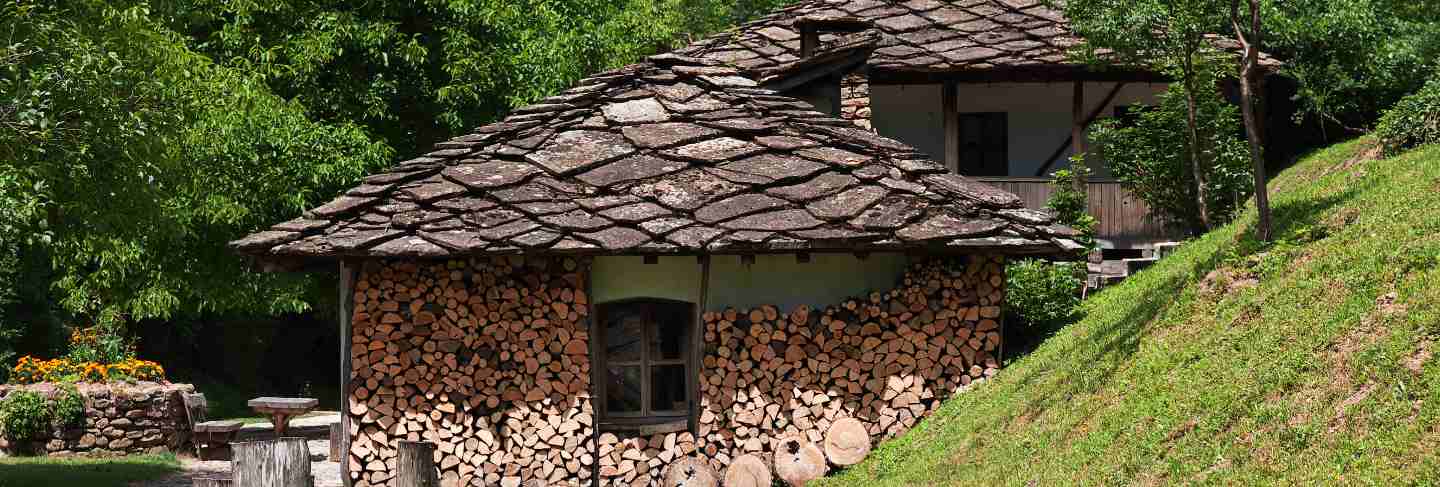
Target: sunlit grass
[1290,364]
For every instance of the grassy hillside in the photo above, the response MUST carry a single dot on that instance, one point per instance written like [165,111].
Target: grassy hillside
[1303,362]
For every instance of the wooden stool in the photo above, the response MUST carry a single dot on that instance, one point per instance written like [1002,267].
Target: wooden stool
[213,438]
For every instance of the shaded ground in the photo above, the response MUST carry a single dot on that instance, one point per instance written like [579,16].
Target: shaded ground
[327,473]
[103,472]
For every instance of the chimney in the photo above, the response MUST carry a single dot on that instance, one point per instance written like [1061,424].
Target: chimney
[811,26]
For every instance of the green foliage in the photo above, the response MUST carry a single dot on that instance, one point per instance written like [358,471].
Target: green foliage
[1151,157]
[24,415]
[1071,205]
[100,344]
[1353,58]
[133,159]
[1413,122]
[69,407]
[414,73]
[1043,295]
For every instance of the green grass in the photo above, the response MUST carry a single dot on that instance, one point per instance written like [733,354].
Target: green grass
[1294,367]
[103,472]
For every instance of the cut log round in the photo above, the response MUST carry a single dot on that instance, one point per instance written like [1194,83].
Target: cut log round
[847,442]
[282,462]
[690,472]
[798,461]
[748,471]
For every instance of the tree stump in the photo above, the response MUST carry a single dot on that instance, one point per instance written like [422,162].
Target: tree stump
[798,461]
[282,462]
[211,481]
[748,471]
[847,442]
[690,472]
[415,465]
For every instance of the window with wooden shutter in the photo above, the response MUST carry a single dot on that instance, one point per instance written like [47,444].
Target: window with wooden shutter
[984,144]
[645,360]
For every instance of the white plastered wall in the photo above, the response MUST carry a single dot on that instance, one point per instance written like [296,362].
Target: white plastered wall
[778,279]
[1039,115]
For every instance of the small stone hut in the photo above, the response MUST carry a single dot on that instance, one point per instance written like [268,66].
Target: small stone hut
[665,262]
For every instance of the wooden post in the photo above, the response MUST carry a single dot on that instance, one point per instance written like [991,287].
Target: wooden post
[283,462]
[346,305]
[697,344]
[1077,133]
[415,465]
[949,99]
[337,433]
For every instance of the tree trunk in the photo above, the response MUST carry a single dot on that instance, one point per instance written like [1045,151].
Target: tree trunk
[1250,42]
[1197,166]
[415,465]
[282,462]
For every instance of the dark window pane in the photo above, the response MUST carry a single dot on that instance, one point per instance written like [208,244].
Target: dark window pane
[667,388]
[623,333]
[670,333]
[622,389]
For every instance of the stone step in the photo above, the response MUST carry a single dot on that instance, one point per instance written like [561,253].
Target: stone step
[1163,249]
[1136,265]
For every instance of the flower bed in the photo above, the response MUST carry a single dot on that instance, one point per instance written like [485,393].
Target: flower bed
[30,370]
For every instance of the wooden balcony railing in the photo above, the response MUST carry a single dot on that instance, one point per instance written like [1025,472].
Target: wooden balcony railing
[1124,220]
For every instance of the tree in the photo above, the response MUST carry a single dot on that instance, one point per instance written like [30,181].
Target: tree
[417,72]
[1166,35]
[1351,59]
[128,161]
[1250,35]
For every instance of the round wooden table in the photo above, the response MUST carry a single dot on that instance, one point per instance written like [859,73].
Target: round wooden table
[281,409]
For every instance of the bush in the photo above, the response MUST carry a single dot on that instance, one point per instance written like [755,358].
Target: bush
[69,407]
[100,344]
[1071,206]
[1413,122]
[24,415]
[1151,159]
[1044,294]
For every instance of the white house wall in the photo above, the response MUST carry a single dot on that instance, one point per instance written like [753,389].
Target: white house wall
[1040,115]
[910,114]
[777,279]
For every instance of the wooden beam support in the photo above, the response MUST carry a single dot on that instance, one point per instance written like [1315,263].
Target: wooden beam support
[651,259]
[1094,115]
[697,346]
[949,103]
[747,259]
[347,309]
[802,257]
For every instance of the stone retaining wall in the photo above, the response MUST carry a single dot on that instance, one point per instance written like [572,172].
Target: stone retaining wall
[120,419]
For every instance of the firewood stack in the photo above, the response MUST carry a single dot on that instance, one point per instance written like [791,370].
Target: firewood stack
[886,360]
[486,358]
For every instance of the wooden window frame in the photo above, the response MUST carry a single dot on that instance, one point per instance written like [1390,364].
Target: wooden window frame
[646,418]
[1003,145]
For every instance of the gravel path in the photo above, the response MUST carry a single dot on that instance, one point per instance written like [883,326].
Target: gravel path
[327,473]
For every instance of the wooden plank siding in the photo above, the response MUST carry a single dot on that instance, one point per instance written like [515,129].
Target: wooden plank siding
[1124,220]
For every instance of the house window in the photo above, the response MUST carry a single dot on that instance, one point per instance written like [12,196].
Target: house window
[645,360]
[984,144]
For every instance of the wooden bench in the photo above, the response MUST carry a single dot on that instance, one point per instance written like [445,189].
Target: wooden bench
[211,438]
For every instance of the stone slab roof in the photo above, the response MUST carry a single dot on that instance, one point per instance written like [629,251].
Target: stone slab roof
[672,155]
[919,37]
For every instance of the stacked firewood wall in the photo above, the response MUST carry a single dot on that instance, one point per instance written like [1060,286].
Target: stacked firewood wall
[855,100]
[772,378]
[486,358]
